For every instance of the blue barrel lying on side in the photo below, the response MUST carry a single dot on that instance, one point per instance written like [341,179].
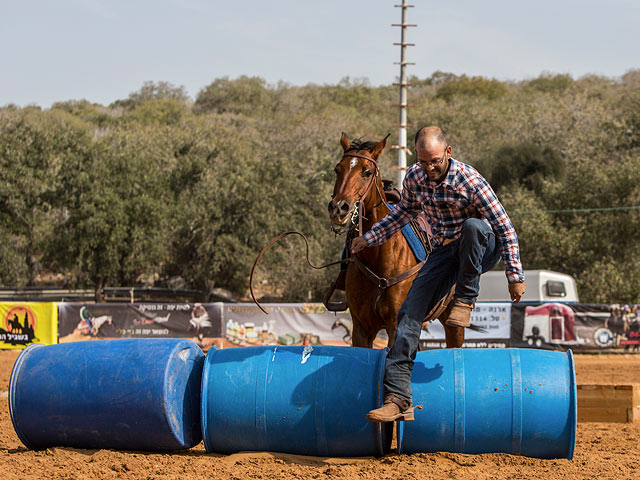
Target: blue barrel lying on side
[519,401]
[301,400]
[133,394]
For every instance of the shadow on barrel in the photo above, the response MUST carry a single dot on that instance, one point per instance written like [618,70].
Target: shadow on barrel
[297,400]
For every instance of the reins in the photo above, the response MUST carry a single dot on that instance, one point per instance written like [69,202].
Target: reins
[381,283]
[277,239]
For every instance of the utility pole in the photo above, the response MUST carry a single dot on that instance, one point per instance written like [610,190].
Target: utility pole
[402,124]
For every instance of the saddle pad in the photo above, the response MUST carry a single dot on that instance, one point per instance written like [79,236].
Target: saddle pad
[414,242]
[417,247]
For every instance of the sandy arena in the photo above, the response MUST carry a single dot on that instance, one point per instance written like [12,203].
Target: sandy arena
[603,451]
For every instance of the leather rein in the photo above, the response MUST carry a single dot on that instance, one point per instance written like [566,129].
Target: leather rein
[381,283]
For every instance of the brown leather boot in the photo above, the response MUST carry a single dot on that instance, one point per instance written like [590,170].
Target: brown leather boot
[394,408]
[460,315]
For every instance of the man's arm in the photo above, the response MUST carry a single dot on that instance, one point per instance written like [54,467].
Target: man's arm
[490,208]
[404,211]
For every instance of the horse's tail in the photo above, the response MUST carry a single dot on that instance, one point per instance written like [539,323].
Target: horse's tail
[477,328]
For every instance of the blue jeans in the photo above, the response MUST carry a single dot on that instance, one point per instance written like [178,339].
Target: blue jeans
[460,262]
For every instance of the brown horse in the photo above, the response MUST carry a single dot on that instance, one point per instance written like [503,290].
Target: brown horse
[357,203]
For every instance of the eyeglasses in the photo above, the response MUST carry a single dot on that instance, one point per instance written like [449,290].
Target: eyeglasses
[434,163]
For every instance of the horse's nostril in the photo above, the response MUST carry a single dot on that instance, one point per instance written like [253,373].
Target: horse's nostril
[330,206]
[344,207]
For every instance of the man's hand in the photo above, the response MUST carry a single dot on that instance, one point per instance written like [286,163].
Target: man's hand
[516,290]
[357,244]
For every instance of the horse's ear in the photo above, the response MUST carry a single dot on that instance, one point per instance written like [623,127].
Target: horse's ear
[344,141]
[379,147]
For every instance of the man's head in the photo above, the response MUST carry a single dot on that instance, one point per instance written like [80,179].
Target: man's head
[433,152]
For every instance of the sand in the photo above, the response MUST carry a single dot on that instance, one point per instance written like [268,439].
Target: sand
[605,451]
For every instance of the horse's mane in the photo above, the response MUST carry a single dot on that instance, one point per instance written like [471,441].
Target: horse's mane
[359,144]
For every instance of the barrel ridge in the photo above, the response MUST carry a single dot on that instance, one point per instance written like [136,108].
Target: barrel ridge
[516,402]
[13,381]
[459,400]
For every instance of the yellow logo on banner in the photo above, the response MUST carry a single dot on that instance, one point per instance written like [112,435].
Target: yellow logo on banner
[26,323]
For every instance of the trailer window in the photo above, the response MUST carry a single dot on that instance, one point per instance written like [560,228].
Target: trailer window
[556,289]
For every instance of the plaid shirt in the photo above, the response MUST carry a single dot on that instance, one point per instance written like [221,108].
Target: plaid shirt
[463,194]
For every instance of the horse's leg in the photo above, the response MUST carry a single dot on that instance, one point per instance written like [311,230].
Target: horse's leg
[388,315]
[371,338]
[359,337]
[454,336]
[391,329]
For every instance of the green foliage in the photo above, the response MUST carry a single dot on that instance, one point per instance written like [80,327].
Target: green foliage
[33,147]
[553,84]
[160,112]
[470,87]
[154,91]
[243,95]
[151,187]
[118,209]
[526,164]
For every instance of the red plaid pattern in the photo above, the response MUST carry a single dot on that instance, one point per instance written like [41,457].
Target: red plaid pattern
[463,194]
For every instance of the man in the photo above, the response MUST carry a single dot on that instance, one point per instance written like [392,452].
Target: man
[470,232]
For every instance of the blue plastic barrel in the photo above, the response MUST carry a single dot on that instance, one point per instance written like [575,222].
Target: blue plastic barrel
[301,400]
[519,401]
[133,394]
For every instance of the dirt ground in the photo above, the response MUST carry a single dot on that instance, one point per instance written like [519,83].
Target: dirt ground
[603,451]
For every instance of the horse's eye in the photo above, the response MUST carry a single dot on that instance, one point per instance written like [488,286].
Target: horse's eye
[336,170]
[367,173]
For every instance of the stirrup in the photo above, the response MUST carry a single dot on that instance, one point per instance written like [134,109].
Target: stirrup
[334,306]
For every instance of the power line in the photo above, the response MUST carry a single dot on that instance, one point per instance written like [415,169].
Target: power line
[579,210]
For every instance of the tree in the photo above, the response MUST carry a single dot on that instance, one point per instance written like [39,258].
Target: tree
[117,206]
[246,95]
[526,164]
[552,84]
[471,86]
[34,146]
[154,91]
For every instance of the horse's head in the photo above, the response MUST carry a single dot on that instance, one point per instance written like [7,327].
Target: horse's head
[356,174]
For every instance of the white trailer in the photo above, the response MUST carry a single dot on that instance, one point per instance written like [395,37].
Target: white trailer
[542,286]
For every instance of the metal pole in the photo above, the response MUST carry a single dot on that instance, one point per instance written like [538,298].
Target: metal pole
[402,120]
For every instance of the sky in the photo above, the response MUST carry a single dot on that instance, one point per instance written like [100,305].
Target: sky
[102,50]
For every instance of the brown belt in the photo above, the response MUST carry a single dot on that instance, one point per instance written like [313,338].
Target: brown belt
[447,241]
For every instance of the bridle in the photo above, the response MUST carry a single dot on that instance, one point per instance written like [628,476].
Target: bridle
[381,283]
[358,206]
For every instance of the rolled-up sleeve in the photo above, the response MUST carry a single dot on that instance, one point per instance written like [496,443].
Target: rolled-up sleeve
[490,208]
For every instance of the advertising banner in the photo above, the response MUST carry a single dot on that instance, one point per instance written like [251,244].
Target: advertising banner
[491,324]
[24,323]
[287,324]
[90,321]
[554,325]
[580,327]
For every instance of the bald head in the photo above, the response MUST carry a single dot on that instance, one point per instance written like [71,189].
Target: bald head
[430,137]
[433,152]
